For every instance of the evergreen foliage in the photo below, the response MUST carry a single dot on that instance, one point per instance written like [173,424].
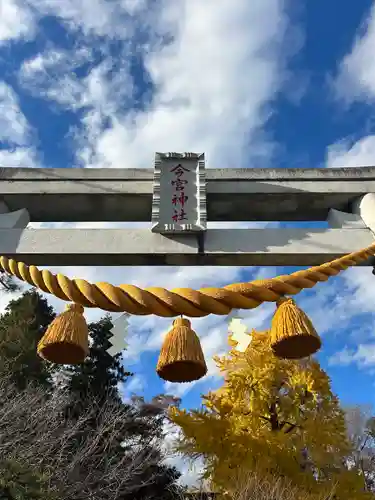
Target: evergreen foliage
[86,440]
[140,430]
[21,327]
[101,373]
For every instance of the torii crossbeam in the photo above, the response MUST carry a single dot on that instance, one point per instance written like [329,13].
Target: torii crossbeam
[344,197]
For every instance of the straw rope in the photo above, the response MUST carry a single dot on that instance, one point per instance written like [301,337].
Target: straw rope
[179,301]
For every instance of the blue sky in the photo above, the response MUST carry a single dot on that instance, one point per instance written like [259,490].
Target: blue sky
[267,83]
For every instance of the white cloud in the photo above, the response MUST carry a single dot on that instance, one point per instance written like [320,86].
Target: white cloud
[93,17]
[16,21]
[133,6]
[19,157]
[15,132]
[51,75]
[135,385]
[14,128]
[356,75]
[349,298]
[361,291]
[363,356]
[348,154]
[344,357]
[211,90]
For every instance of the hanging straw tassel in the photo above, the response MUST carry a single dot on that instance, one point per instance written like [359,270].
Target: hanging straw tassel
[293,335]
[181,357]
[66,339]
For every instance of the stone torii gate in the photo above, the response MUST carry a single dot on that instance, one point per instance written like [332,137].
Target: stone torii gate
[178,197]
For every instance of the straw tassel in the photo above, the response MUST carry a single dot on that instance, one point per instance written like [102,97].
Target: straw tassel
[293,335]
[181,357]
[66,339]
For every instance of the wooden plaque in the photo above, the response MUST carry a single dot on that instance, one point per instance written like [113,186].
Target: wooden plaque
[179,193]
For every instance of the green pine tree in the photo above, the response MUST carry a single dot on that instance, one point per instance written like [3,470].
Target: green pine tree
[137,433]
[101,373]
[21,327]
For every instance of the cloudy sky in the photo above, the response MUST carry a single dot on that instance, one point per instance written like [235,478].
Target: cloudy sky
[267,83]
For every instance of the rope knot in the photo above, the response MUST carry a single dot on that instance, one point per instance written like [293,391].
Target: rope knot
[283,299]
[74,307]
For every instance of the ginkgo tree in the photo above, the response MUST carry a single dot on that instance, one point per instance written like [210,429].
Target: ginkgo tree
[274,416]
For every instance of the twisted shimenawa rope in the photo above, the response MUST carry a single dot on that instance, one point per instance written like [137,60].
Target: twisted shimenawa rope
[179,301]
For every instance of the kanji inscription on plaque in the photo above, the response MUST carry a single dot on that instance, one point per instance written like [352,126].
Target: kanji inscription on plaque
[179,193]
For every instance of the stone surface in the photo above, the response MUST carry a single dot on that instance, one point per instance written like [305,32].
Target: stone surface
[15,220]
[230,247]
[282,247]
[342,220]
[73,195]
